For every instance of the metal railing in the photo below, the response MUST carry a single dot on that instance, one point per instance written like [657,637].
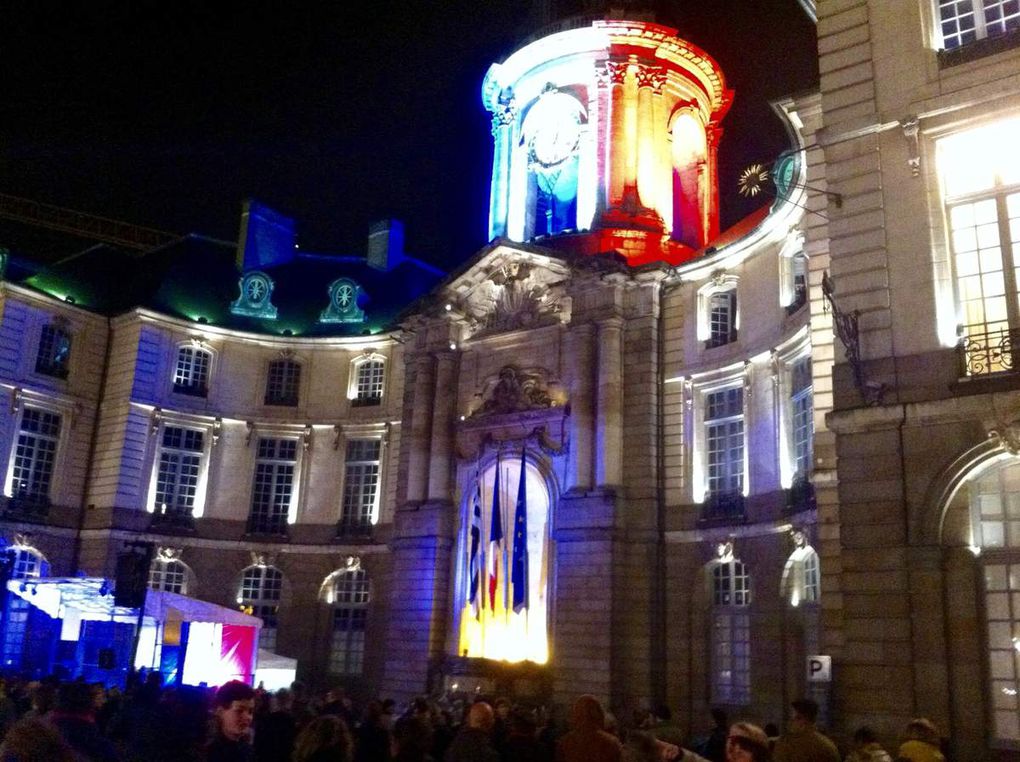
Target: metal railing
[986,352]
[723,506]
[271,524]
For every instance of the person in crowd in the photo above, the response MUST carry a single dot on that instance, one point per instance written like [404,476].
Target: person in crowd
[234,708]
[474,741]
[802,742]
[275,730]
[641,746]
[43,699]
[75,719]
[866,747]
[772,731]
[412,740]
[522,744]
[715,746]
[746,743]
[921,742]
[324,739]
[373,736]
[35,740]
[663,727]
[587,741]
[389,707]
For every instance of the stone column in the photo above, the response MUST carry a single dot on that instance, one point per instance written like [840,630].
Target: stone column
[418,398]
[502,125]
[581,349]
[609,430]
[649,80]
[440,461]
[710,184]
[616,141]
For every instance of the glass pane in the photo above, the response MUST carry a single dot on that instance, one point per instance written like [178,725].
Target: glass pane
[1002,665]
[1000,635]
[992,534]
[1007,725]
[1004,694]
[997,605]
[991,505]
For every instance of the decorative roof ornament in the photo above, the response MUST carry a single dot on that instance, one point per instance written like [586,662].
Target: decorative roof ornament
[344,295]
[255,299]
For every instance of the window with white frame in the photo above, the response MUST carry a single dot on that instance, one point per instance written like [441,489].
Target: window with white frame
[722,318]
[731,631]
[54,352]
[964,21]
[349,595]
[273,488]
[980,173]
[283,382]
[798,282]
[169,575]
[261,590]
[802,576]
[370,376]
[35,455]
[26,563]
[191,374]
[801,418]
[724,441]
[179,470]
[361,485]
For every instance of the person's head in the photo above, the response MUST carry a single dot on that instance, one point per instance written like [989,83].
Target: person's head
[502,707]
[481,717]
[75,698]
[923,729]
[281,700]
[325,733]
[720,718]
[234,707]
[641,746]
[863,736]
[35,741]
[44,696]
[804,714]
[746,743]
[587,714]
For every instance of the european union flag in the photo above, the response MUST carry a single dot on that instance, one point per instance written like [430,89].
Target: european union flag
[520,560]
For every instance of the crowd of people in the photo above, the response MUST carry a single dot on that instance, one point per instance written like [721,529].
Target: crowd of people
[73,721]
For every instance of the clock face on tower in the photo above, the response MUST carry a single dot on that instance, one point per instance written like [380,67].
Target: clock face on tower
[552,129]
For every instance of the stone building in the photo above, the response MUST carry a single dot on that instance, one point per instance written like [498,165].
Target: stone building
[619,450]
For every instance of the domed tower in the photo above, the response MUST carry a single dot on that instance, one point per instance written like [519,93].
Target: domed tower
[605,138]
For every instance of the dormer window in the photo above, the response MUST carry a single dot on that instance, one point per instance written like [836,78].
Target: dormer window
[54,353]
[345,297]
[255,299]
[191,375]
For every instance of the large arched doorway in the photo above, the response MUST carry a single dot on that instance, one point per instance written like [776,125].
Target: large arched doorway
[498,617]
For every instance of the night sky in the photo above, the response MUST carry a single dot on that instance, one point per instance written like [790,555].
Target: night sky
[169,114]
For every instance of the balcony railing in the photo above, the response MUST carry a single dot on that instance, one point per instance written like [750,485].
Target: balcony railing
[32,508]
[722,506]
[800,496]
[367,401]
[353,530]
[173,519]
[988,352]
[191,390]
[270,525]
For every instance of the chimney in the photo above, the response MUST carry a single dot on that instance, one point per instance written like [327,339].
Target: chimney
[266,239]
[385,244]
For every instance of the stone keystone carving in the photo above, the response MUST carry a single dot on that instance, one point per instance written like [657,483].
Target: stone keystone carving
[515,391]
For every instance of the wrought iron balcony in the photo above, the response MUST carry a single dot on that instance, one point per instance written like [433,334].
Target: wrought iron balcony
[367,401]
[192,390]
[179,519]
[801,495]
[723,506]
[281,400]
[347,529]
[269,525]
[25,507]
[986,352]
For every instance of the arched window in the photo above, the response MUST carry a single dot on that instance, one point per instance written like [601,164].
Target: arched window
[261,589]
[28,563]
[731,629]
[369,381]
[168,575]
[191,374]
[347,592]
[801,576]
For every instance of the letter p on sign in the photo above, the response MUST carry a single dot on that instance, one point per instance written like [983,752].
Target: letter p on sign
[819,669]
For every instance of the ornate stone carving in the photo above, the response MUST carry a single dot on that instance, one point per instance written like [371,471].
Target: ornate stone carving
[505,115]
[650,76]
[168,554]
[261,558]
[519,301]
[513,392]
[617,71]
[1007,435]
[911,127]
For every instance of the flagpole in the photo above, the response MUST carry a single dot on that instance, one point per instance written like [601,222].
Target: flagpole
[504,506]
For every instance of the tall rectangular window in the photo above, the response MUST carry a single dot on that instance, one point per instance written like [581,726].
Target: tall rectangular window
[35,455]
[191,375]
[980,172]
[282,383]
[722,318]
[260,593]
[724,436]
[964,21]
[350,609]
[274,485]
[180,462]
[731,632]
[54,352]
[802,418]
[370,378]
[361,485]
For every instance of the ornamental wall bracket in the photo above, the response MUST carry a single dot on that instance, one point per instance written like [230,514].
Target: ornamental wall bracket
[261,558]
[168,554]
[1007,435]
[352,564]
[250,430]
[16,397]
[848,329]
[338,433]
[911,127]
[306,437]
[217,429]
[155,419]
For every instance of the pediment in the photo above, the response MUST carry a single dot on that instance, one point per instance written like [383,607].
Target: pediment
[510,289]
